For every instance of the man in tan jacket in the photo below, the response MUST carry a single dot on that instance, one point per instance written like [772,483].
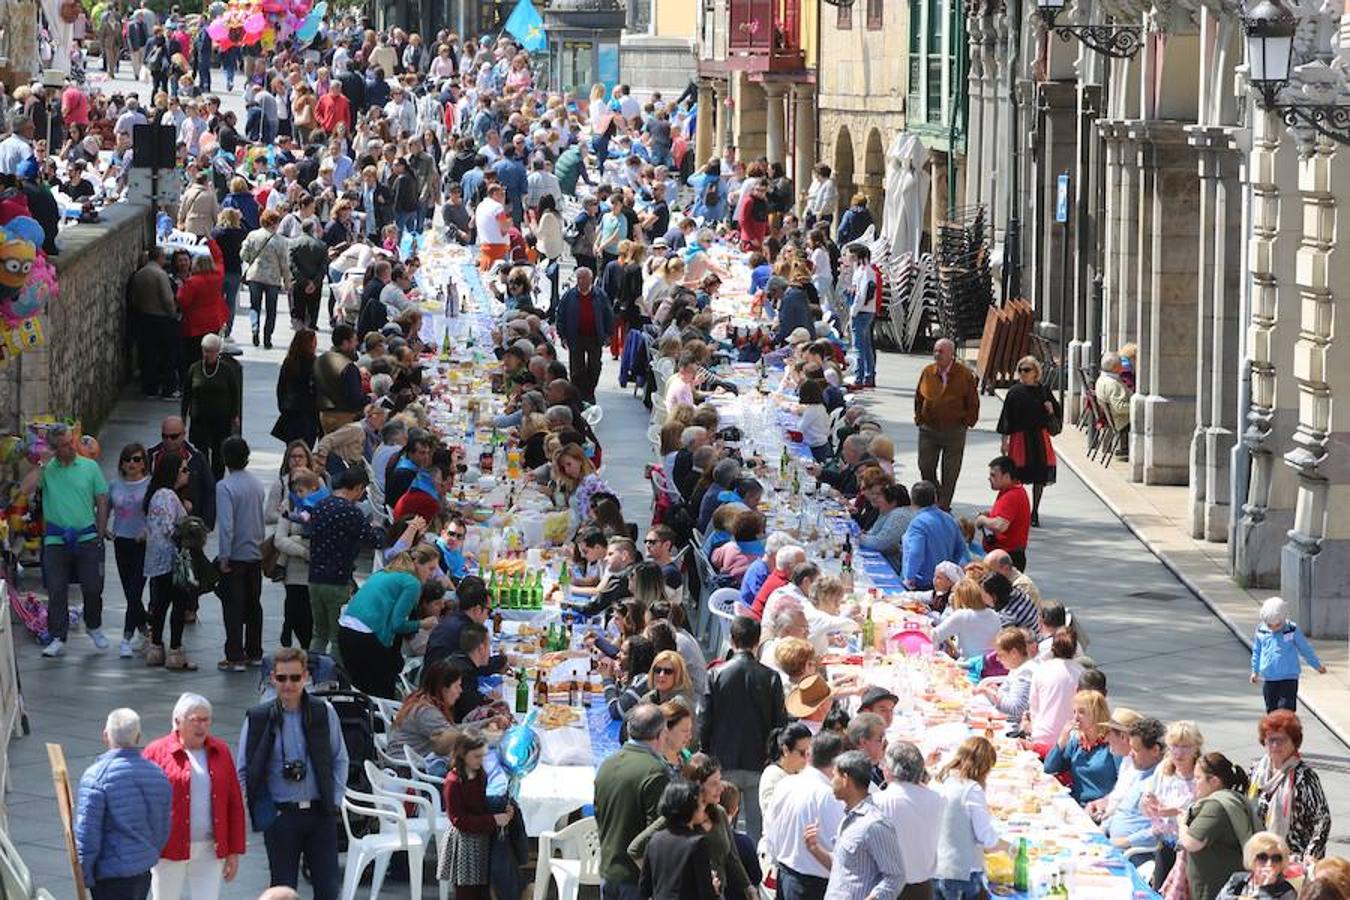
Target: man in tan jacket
[946,406]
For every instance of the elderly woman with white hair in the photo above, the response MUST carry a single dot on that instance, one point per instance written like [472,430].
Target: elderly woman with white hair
[213,401]
[206,815]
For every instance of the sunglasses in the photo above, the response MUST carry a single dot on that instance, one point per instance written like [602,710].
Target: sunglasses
[1025,369]
[135,457]
[293,679]
[171,437]
[663,670]
[650,541]
[1262,858]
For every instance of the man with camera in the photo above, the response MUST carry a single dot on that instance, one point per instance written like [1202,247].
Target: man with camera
[293,765]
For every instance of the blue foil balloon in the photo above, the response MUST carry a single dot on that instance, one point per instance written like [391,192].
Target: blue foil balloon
[519,752]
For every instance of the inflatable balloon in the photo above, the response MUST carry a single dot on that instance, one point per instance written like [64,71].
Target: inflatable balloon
[254,25]
[273,6]
[16,262]
[519,752]
[218,31]
[308,28]
[89,447]
[25,228]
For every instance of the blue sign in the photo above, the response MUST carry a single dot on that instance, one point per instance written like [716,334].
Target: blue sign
[607,63]
[1062,199]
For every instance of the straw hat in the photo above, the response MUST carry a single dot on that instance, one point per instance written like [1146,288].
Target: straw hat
[1122,717]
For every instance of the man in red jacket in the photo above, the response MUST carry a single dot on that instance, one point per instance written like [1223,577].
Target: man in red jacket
[332,108]
[185,754]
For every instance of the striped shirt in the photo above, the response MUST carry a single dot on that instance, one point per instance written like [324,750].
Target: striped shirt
[866,863]
[1020,611]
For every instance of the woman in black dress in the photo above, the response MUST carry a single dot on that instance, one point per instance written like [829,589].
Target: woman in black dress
[297,397]
[677,864]
[1026,425]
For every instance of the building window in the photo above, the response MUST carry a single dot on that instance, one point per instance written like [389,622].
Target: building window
[844,20]
[874,14]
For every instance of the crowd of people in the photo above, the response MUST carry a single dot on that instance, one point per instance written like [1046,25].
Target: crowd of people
[750,771]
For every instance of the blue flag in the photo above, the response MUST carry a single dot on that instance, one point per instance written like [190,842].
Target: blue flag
[527,26]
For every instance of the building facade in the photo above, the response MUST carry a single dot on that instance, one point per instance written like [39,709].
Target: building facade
[1201,229]
[757,81]
[658,50]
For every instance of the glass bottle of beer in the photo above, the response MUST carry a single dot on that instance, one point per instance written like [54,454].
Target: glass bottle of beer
[522,692]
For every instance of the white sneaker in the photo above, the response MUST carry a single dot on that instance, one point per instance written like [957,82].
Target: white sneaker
[137,642]
[56,648]
[126,651]
[100,640]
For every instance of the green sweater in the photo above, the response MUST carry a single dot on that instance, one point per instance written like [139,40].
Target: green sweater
[384,603]
[628,789]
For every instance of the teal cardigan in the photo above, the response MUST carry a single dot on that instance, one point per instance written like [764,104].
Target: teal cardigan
[384,603]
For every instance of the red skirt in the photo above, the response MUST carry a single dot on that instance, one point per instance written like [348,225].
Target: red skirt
[1033,456]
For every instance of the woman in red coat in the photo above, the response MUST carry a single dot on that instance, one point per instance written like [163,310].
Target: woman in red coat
[202,300]
[206,821]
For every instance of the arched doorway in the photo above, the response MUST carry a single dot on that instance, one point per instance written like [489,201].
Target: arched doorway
[874,176]
[843,169]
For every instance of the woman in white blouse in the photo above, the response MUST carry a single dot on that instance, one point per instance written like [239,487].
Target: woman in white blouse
[967,619]
[966,829]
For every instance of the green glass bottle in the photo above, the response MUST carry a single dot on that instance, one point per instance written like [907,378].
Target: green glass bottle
[537,594]
[492,588]
[1022,868]
[522,692]
[869,631]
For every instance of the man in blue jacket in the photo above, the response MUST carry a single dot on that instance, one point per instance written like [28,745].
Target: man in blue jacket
[584,321]
[122,818]
[932,537]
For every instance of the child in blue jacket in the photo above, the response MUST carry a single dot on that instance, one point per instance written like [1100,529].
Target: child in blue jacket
[1276,648]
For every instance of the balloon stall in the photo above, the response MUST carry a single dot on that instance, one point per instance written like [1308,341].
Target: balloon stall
[245,23]
[27,285]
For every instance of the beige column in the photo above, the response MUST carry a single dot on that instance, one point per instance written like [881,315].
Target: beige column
[775,126]
[1313,561]
[705,144]
[804,134]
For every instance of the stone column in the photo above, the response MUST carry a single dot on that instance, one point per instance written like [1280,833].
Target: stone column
[804,137]
[1315,561]
[1082,314]
[774,121]
[976,176]
[1217,339]
[1168,290]
[1268,512]
[1110,314]
[705,132]
[1058,143]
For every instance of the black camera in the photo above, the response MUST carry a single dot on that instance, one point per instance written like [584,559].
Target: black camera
[293,770]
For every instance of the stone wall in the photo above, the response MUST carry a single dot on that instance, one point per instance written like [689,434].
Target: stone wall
[657,64]
[80,370]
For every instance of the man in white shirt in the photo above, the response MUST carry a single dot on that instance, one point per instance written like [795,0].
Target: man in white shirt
[912,809]
[541,181]
[17,147]
[802,801]
[491,219]
[401,112]
[130,117]
[629,108]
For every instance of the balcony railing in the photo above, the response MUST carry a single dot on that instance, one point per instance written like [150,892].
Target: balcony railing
[758,35]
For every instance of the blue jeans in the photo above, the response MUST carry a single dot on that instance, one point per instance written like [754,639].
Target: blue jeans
[232,282]
[794,885]
[60,567]
[958,888]
[258,293]
[407,221]
[308,833]
[862,342]
[619,890]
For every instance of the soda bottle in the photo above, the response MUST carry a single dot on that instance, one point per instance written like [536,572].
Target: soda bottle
[1022,868]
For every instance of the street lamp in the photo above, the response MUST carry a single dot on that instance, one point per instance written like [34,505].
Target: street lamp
[1119,41]
[1269,28]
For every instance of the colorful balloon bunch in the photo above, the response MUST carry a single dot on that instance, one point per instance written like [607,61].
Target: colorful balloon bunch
[248,22]
[27,285]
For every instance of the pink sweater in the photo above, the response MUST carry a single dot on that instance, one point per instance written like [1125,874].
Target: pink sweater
[1052,688]
[730,561]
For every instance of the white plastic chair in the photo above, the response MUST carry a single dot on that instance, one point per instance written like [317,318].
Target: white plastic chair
[15,878]
[386,710]
[431,821]
[379,847]
[578,864]
[722,604]
[418,767]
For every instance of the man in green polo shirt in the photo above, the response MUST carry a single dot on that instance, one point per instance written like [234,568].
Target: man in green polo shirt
[75,512]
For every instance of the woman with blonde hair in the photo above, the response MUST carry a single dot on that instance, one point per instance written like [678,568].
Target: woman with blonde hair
[269,271]
[966,829]
[1031,415]
[1172,792]
[533,434]
[669,681]
[1264,858]
[575,477]
[1082,751]
[679,734]
[374,621]
[968,620]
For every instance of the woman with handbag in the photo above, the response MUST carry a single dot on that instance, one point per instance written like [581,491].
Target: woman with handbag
[163,511]
[269,270]
[1031,416]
